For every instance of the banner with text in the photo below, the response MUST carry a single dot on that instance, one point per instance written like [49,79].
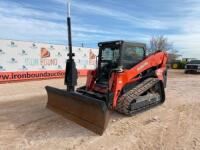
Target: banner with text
[26,60]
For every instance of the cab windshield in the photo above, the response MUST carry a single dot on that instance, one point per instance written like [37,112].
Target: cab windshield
[108,61]
[110,54]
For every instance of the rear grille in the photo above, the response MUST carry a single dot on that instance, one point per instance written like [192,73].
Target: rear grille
[192,67]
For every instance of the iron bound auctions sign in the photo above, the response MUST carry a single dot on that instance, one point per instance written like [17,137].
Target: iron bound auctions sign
[27,61]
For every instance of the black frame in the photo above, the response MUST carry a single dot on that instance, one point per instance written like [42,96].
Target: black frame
[122,45]
[108,44]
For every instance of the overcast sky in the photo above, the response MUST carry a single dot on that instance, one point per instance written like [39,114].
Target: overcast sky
[102,20]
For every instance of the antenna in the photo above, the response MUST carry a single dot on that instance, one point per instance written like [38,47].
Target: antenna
[71,71]
[69,29]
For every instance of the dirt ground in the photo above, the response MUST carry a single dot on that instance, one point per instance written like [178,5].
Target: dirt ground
[25,123]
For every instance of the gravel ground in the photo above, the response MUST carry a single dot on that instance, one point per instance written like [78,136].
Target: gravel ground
[25,123]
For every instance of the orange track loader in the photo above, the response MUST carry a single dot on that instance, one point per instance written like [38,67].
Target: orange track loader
[125,80]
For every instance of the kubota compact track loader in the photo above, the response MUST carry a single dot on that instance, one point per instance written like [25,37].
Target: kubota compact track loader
[125,80]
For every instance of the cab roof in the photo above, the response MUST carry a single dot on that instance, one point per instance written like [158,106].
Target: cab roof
[130,43]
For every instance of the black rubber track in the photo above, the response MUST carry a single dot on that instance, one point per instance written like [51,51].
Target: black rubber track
[124,102]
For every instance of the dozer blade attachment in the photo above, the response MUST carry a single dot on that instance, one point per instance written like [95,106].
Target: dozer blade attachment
[88,112]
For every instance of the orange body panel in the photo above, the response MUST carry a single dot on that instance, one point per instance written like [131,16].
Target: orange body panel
[119,80]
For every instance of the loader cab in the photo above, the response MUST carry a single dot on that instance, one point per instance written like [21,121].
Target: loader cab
[118,56]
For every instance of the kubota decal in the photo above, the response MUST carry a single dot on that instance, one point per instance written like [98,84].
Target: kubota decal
[142,66]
